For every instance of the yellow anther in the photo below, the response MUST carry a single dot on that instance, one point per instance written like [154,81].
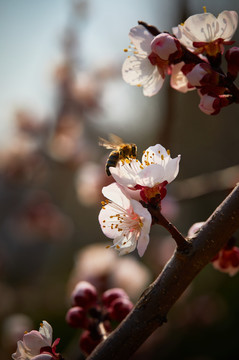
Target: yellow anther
[127,161]
[162,157]
[168,152]
[104,226]
[204,9]
[25,332]
[139,85]
[118,247]
[41,324]
[159,151]
[141,167]
[103,221]
[136,52]
[126,50]
[102,203]
[182,24]
[107,247]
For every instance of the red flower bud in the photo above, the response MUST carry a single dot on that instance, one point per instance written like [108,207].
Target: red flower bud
[110,295]
[120,308]
[84,294]
[87,343]
[232,57]
[76,317]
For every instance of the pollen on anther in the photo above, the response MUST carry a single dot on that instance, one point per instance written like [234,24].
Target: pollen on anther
[139,85]
[168,152]
[118,247]
[204,9]
[162,157]
[126,50]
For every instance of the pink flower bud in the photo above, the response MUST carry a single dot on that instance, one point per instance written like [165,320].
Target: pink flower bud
[76,317]
[120,308]
[210,104]
[84,294]
[110,295]
[232,57]
[202,74]
[166,47]
[87,343]
[227,260]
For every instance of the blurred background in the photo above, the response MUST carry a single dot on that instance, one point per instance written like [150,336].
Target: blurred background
[60,71]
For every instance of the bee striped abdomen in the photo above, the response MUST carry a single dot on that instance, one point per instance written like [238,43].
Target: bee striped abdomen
[112,161]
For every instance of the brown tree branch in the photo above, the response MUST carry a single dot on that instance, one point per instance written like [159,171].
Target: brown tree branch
[153,306]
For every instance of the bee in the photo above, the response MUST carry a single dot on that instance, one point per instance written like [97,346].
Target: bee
[121,151]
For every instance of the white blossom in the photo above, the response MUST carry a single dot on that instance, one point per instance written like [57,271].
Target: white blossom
[157,167]
[125,220]
[206,28]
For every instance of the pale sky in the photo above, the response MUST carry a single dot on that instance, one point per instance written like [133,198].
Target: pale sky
[30,36]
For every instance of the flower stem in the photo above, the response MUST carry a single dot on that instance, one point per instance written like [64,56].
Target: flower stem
[182,244]
[102,331]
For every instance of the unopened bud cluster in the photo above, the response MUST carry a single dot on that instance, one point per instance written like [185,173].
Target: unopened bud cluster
[192,56]
[96,314]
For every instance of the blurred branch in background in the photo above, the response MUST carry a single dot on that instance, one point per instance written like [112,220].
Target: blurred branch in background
[206,183]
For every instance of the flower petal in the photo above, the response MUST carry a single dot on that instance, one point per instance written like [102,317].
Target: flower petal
[178,80]
[124,175]
[141,38]
[46,331]
[139,71]
[151,175]
[202,27]
[146,218]
[108,219]
[34,342]
[153,84]
[172,169]
[155,154]
[115,193]
[228,21]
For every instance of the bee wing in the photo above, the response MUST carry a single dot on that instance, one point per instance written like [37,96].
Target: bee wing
[107,144]
[114,139]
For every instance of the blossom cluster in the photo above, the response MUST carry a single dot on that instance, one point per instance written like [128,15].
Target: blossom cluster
[124,216]
[96,314]
[192,56]
[37,345]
